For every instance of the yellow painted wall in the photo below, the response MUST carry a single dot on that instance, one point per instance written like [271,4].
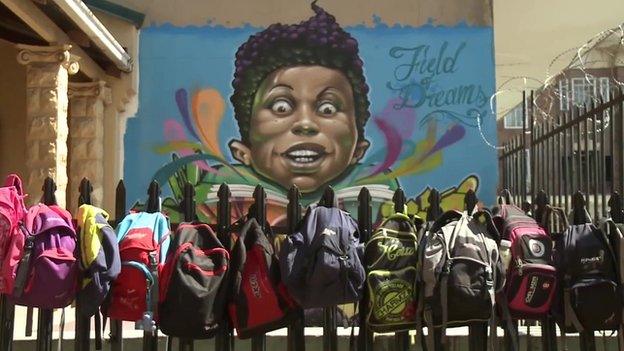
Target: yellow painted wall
[12,111]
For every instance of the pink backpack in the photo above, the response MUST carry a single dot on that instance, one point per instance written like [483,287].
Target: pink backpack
[47,275]
[531,277]
[12,212]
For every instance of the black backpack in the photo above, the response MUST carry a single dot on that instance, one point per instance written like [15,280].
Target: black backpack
[260,302]
[590,294]
[391,258]
[320,263]
[194,283]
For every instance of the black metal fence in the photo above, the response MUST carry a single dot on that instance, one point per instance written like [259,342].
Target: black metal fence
[559,160]
[578,151]
[296,339]
[582,150]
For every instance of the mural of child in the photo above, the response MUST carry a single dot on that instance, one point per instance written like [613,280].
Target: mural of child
[300,100]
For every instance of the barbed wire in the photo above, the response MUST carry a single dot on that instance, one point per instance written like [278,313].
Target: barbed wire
[556,91]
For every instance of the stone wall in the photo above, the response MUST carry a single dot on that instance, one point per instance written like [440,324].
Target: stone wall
[12,112]
[87,102]
[47,76]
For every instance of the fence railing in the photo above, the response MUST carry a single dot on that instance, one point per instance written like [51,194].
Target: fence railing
[296,338]
[581,150]
[560,158]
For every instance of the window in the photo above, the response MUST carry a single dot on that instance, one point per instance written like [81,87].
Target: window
[582,90]
[513,118]
[604,88]
[564,97]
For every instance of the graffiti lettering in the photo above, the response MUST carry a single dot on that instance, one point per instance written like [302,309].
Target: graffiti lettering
[422,63]
[418,83]
[255,286]
[393,251]
[414,95]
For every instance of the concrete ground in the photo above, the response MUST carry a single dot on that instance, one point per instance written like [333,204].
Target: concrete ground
[276,340]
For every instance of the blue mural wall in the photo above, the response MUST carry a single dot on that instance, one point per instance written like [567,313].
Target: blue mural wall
[430,88]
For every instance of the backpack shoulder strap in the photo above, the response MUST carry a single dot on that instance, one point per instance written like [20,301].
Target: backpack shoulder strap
[570,315]
[15,181]
[609,244]
[88,228]
[248,226]
[551,213]
[446,218]
[462,225]
[398,217]
[614,231]
[485,217]
[162,234]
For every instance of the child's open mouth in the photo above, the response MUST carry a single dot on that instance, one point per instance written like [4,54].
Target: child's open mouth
[305,156]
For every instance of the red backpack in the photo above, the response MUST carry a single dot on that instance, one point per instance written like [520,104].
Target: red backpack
[531,275]
[260,301]
[12,212]
[143,243]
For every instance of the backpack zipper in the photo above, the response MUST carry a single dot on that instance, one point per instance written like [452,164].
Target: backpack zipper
[519,265]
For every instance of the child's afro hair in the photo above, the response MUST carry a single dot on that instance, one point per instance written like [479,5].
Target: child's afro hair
[316,41]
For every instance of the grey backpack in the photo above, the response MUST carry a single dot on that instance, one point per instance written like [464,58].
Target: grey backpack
[320,264]
[461,271]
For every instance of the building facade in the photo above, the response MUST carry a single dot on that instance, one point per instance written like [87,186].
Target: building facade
[69,80]
[429,72]
[121,89]
[593,77]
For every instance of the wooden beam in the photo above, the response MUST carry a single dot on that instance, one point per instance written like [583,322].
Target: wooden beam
[28,12]
[79,38]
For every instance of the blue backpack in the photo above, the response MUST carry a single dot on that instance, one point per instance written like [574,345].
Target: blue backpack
[320,263]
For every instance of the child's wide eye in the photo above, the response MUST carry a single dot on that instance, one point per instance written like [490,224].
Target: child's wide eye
[281,107]
[327,109]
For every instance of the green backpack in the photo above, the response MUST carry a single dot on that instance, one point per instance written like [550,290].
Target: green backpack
[391,256]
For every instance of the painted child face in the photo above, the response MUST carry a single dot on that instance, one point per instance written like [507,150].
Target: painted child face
[303,128]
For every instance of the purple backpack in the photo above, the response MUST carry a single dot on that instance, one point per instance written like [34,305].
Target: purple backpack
[47,274]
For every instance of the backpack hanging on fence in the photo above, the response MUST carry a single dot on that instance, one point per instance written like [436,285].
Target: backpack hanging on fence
[143,242]
[531,275]
[99,258]
[47,275]
[590,285]
[391,257]
[194,283]
[260,301]
[615,233]
[320,263]
[12,212]
[100,263]
[461,272]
